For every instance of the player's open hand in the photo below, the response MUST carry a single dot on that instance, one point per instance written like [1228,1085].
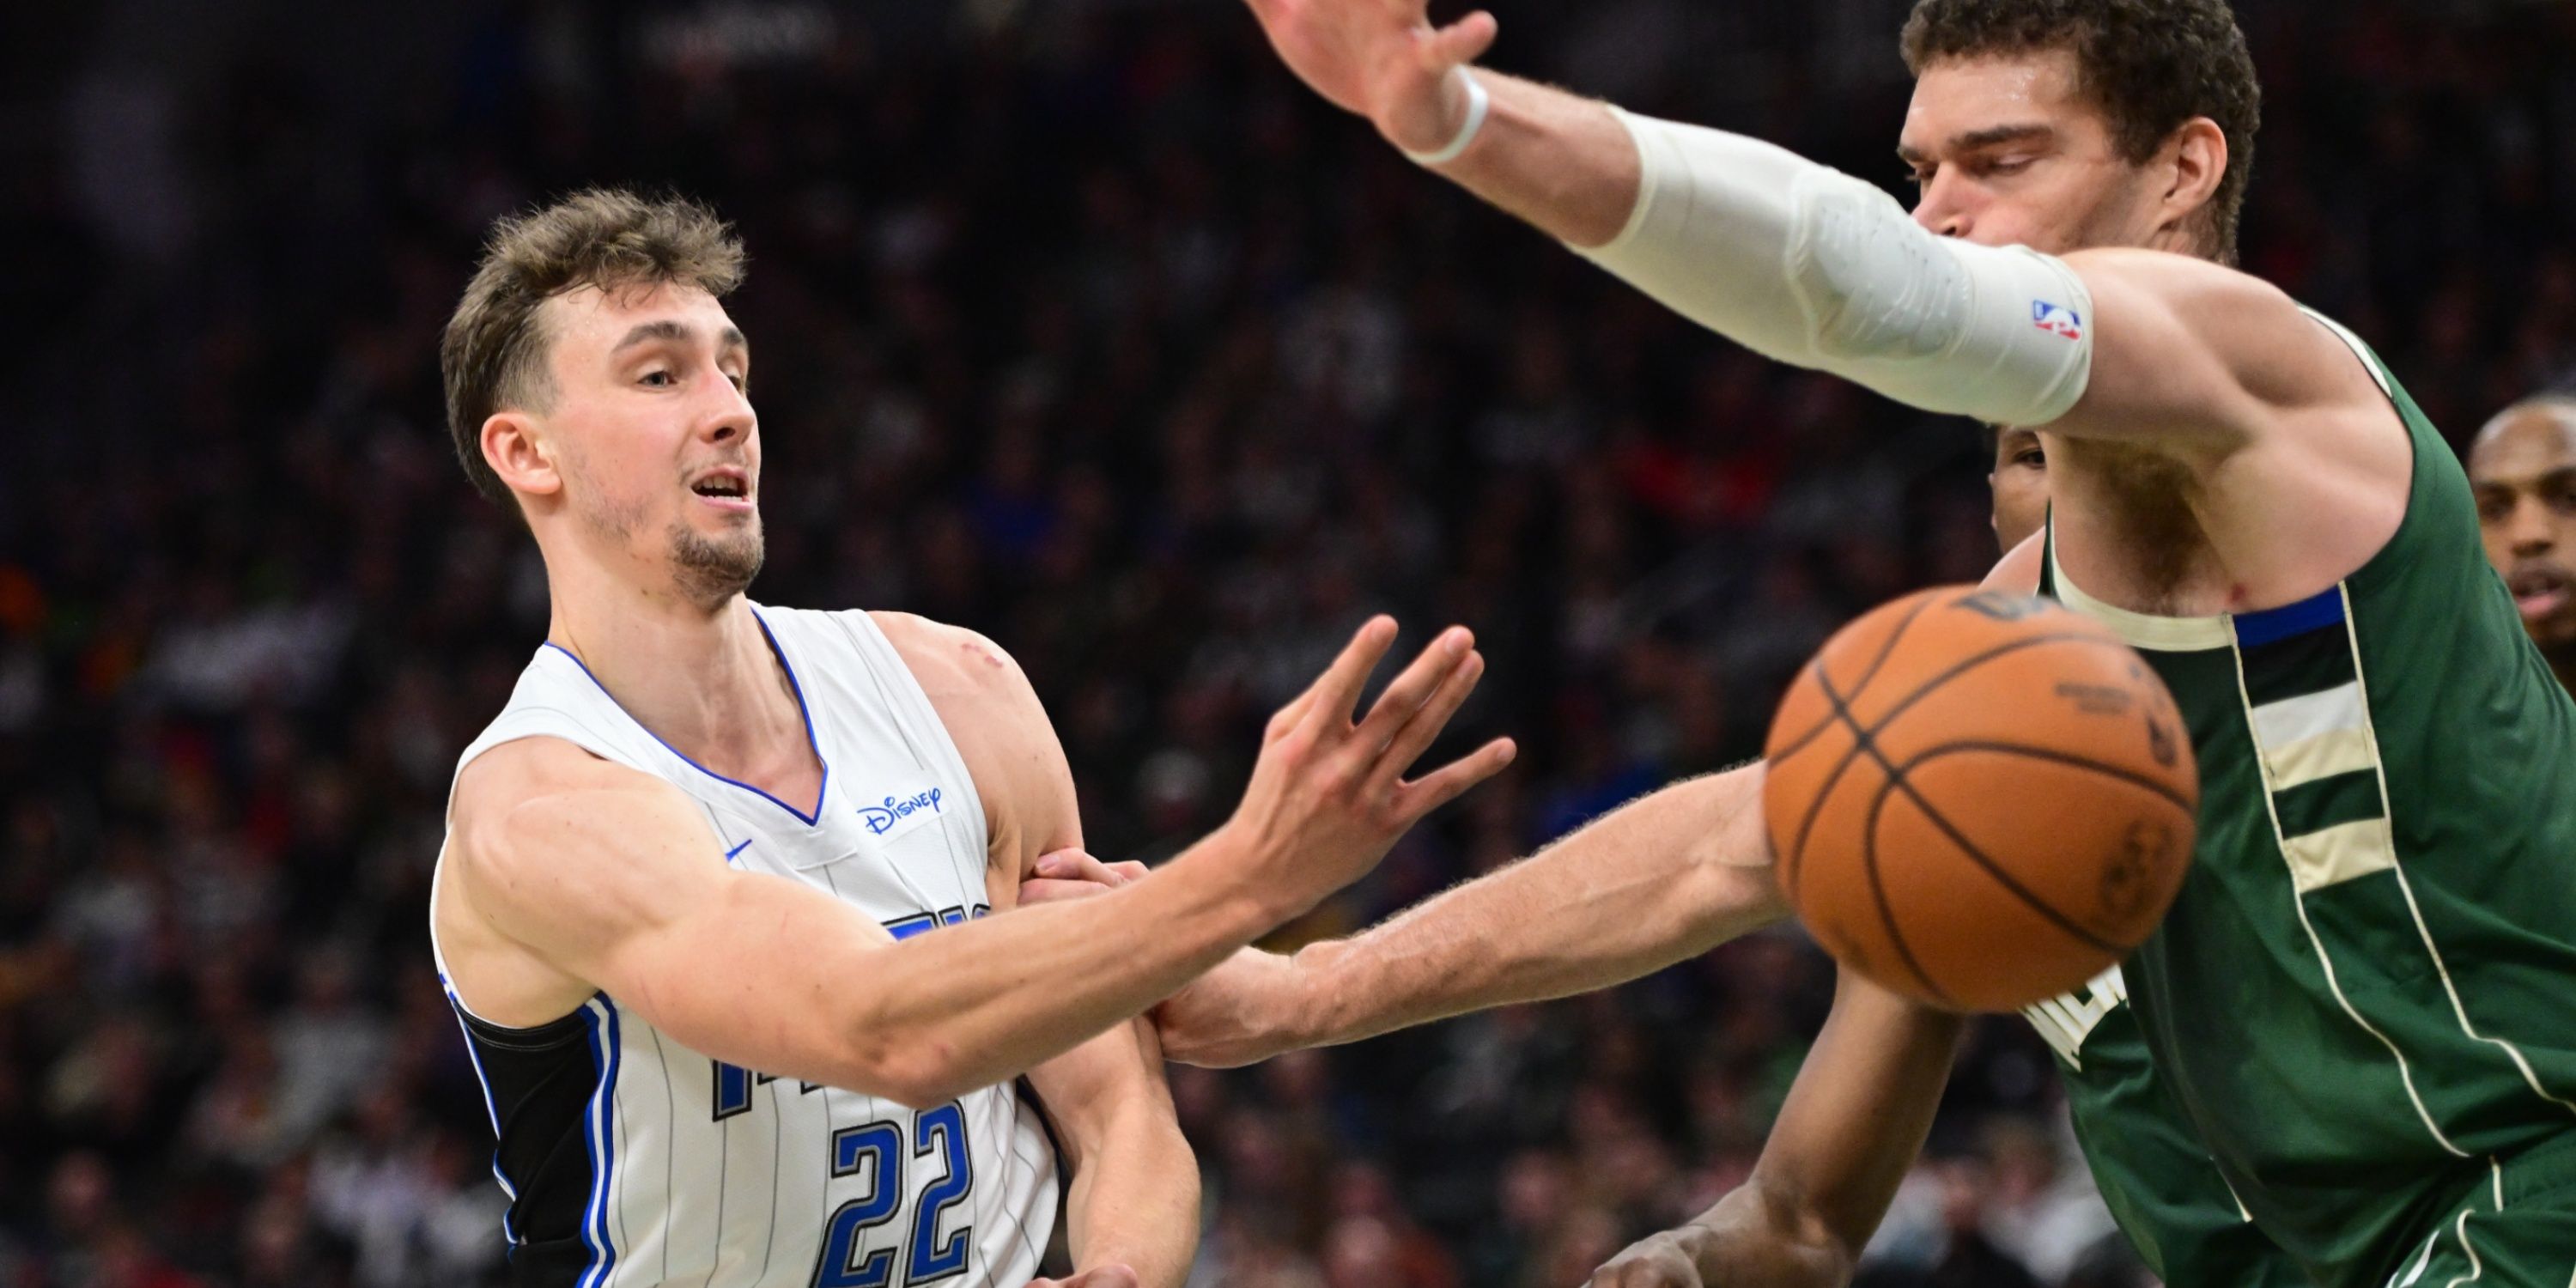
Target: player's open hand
[1382,59]
[1657,1261]
[1328,796]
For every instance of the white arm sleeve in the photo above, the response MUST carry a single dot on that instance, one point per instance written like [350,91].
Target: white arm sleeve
[1818,269]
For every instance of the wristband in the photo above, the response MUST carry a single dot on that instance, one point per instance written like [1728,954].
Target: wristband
[1478,104]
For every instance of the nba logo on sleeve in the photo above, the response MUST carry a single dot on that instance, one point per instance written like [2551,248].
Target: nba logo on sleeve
[2057,320]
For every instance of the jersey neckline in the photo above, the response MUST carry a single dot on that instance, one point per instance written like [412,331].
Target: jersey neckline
[804,712]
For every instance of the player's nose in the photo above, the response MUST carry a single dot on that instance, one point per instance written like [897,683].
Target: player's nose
[2529,529]
[731,418]
[1939,211]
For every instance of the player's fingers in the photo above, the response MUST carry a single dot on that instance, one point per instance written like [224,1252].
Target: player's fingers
[1288,717]
[1125,871]
[1447,783]
[1463,41]
[1425,724]
[1072,863]
[1451,651]
[1037,890]
[1337,690]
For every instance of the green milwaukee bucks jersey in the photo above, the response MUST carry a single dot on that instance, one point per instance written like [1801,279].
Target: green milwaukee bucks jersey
[2365,994]
[2154,1174]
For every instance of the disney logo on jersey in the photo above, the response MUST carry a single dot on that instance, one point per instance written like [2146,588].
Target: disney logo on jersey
[901,813]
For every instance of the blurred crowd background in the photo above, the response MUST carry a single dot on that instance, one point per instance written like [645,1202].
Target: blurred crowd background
[1083,324]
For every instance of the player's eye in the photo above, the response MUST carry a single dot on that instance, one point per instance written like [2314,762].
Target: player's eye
[2031,458]
[657,379]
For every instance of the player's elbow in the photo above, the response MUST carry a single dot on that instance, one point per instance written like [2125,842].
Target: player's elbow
[916,1069]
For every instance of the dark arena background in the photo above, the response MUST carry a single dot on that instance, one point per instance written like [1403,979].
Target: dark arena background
[1082,323]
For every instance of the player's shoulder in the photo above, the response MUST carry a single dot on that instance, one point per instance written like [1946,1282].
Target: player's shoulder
[2019,569]
[950,661]
[509,799]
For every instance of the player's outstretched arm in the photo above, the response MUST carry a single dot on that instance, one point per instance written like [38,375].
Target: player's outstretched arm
[610,880]
[1659,880]
[1852,1125]
[1816,268]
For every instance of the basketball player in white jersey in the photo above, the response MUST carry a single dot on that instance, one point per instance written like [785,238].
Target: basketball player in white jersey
[679,862]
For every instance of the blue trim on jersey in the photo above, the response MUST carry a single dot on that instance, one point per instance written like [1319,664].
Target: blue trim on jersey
[2273,625]
[491,1109]
[600,1143]
[746,844]
[793,685]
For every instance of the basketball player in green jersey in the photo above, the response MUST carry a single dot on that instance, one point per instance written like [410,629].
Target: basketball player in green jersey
[2361,1003]
[2523,468]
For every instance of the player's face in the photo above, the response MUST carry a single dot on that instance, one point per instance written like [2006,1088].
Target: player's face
[2524,472]
[2005,152]
[658,445]
[2020,484]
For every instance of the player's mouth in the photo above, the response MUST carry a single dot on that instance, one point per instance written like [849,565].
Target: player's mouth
[726,487]
[2540,592]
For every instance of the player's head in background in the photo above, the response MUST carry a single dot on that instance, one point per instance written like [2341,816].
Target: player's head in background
[2523,469]
[2019,483]
[2068,124]
[595,384]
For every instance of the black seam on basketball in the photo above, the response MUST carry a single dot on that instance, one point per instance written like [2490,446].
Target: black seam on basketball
[1896,781]
[1878,892]
[2137,780]
[1861,736]
[1886,649]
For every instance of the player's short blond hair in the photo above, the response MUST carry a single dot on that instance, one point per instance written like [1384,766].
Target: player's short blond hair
[492,356]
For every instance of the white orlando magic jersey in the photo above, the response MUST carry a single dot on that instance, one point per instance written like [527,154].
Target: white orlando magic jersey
[631,1160]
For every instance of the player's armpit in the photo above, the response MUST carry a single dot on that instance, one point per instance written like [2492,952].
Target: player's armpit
[1134,1197]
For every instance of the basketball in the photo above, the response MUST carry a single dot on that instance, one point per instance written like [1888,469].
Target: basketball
[1979,799]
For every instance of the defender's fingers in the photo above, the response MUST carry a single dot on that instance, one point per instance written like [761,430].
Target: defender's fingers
[1463,41]
[1446,784]
[1072,863]
[1416,685]
[1037,890]
[1126,871]
[1337,690]
[1416,734]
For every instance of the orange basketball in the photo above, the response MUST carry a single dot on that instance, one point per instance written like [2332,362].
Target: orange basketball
[1979,799]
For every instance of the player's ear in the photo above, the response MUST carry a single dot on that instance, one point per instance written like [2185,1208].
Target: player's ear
[2197,157]
[517,451]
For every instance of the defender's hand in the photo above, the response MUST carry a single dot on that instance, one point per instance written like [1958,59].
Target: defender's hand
[1071,874]
[1243,1012]
[1382,59]
[1109,1276]
[1328,797]
[1657,1261]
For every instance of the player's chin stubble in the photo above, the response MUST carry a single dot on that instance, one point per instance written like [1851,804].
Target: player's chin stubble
[711,570]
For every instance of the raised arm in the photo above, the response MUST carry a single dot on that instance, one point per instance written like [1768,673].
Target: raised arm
[605,878]
[1659,880]
[1851,1127]
[1816,268]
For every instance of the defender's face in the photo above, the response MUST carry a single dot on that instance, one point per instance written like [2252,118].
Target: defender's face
[656,440]
[2005,153]
[2020,484]
[2523,471]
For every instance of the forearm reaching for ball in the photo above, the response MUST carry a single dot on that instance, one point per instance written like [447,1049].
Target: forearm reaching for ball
[1659,880]
[1851,1127]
